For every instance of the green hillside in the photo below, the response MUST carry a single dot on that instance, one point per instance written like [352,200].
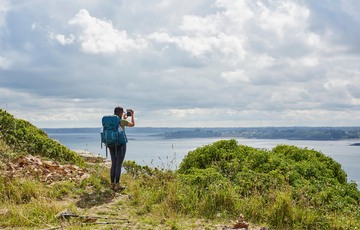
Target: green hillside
[24,138]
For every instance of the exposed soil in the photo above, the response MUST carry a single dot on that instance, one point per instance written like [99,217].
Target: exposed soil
[46,171]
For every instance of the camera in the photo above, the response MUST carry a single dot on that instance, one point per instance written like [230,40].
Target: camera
[129,112]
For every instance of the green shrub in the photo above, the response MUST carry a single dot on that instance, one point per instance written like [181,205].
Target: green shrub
[269,186]
[25,138]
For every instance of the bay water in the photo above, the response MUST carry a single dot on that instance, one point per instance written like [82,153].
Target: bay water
[146,148]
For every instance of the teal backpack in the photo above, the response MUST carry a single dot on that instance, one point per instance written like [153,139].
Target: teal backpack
[112,134]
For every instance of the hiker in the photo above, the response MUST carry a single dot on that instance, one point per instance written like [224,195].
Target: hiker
[117,153]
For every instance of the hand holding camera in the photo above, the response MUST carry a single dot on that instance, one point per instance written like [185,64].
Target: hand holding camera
[129,112]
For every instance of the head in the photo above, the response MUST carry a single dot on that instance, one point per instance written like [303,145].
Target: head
[118,111]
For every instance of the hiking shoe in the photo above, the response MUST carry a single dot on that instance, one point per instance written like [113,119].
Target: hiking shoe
[118,188]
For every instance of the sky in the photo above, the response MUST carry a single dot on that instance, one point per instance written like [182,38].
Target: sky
[181,63]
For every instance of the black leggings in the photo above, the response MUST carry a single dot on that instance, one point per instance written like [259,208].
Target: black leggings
[117,159]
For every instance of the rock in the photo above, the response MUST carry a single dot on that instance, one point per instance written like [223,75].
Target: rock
[240,225]
[45,171]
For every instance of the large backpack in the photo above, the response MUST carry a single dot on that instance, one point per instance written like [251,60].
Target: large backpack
[112,134]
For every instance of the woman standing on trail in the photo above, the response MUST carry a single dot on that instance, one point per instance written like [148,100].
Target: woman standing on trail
[118,153]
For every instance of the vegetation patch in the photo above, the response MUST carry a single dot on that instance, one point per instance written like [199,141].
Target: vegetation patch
[23,137]
[286,187]
[283,188]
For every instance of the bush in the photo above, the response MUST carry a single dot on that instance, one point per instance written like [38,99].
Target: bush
[23,137]
[270,186]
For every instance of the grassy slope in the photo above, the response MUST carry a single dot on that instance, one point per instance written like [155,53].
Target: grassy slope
[22,137]
[286,188]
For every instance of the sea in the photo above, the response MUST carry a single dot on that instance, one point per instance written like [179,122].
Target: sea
[149,147]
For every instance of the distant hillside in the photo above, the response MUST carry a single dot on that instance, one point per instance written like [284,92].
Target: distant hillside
[290,133]
[193,133]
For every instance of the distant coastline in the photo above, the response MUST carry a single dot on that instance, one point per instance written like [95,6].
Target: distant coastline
[289,133]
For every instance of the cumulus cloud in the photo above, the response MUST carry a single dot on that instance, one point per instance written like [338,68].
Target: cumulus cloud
[62,39]
[202,45]
[234,76]
[287,18]
[200,25]
[99,36]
